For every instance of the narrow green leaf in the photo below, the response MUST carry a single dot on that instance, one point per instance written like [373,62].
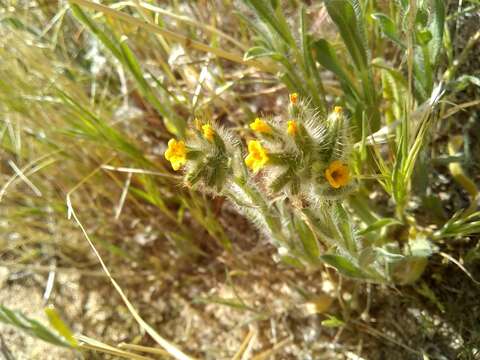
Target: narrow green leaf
[57,323]
[388,27]
[332,322]
[266,13]
[343,266]
[31,327]
[437,27]
[379,224]
[343,14]
[257,52]
[122,53]
[326,56]
[309,242]
[342,221]
[174,123]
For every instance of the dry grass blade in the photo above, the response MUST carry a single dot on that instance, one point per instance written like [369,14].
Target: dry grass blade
[123,197]
[246,345]
[270,352]
[91,344]
[184,40]
[456,262]
[368,329]
[27,170]
[460,108]
[140,171]
[184,19]
[144,349]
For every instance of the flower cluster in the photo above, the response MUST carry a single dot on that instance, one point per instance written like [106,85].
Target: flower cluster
[306,154]
[288,176]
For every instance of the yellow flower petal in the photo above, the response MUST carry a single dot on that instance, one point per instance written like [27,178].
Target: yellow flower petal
[208,132]
[176,153]
[337,174]
[260,126]
[293,98]
[292,127]
[338,110]
[257,156]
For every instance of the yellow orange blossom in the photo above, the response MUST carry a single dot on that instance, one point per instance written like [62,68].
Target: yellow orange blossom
[293,98]
[260,126]
[292,127]
[337,174]
[176,153]
[337,109]
[208,132]
[257,155]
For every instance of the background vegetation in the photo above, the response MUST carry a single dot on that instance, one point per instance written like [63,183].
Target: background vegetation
[98,229]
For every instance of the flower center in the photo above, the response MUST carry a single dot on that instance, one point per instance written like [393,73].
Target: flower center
[337,175]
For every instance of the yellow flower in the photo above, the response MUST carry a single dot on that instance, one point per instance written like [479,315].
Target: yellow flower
[176,153]
[257,155]
[338,110]
[293,98]
[292,127]
[208,132]
[260,126]
[337,174]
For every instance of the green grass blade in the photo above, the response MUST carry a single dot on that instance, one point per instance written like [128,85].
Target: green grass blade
[326,56]
[343,266]
[437,27]
[58,324]
[343,14]
[266,13]
[388,28]
[31,327]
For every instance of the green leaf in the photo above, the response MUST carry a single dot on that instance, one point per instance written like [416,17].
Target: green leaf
[388,27]
[326,56]
[332,322]
[343,14]
[174,123]
[464,81]
[343,266]
[125,56]
[421,68]
[342,221]
[309,242]
[437,27]
[313,79]
[421,17]
[266,13]
[257,52]
[292,261]
[281,181]
[58,324]
[388,255]
[379,224]
[423,37]
[31,327]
